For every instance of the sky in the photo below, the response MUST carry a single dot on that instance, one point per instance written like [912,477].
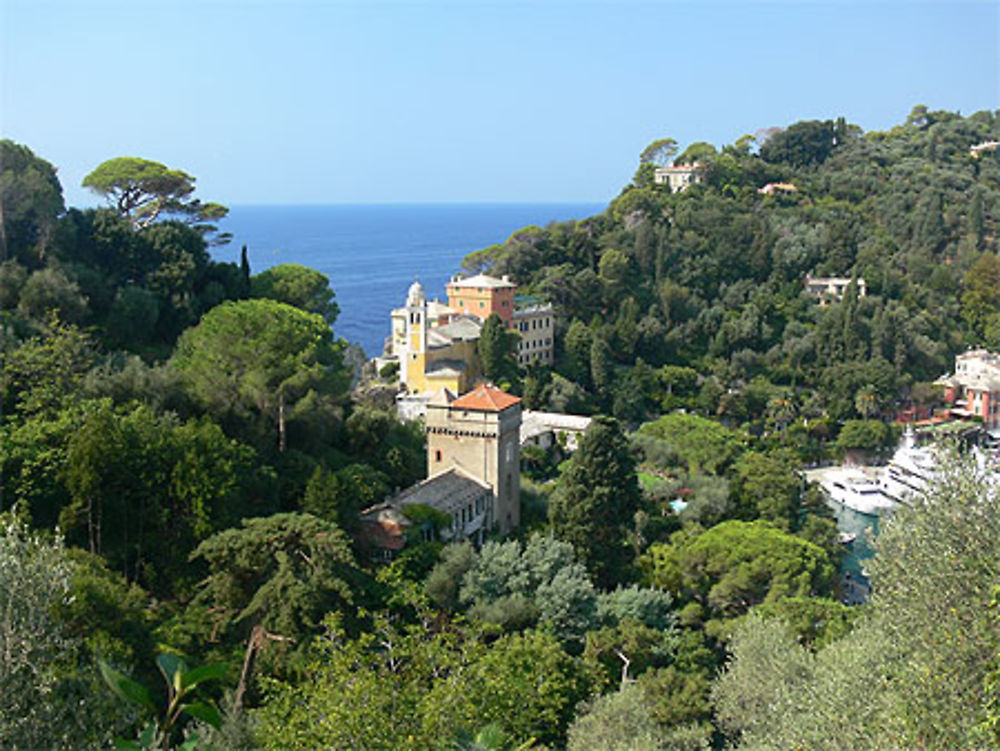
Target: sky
[303,101]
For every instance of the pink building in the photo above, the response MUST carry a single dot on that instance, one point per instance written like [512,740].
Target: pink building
[974,387]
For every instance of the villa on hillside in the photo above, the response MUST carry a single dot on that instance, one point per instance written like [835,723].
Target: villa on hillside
[828,289]
[473,473]
[772,188]
[678,176]
[483,295]
[534,323]
[973,390]
[985,146]
[547,429]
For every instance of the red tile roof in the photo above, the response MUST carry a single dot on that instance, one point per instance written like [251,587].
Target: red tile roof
[485,398]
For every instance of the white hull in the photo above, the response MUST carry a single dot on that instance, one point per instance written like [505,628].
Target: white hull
[855,490]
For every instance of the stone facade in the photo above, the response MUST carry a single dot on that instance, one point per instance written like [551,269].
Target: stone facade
[478,433]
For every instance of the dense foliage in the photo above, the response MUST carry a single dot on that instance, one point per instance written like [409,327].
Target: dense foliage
[712,278]
[183,463]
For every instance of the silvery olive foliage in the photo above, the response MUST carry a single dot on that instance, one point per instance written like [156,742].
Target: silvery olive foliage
[914,671]
[46,701]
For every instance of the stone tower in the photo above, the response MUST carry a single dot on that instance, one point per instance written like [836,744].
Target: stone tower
[479,433]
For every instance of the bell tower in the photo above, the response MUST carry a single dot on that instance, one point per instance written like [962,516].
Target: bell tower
[412,362]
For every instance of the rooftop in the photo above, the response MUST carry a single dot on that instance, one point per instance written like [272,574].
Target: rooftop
[481,280]
[462,327]
[535,423]
[448,492]
[679,168]
[486,398]
[531,310]
[772,187]
[445,369]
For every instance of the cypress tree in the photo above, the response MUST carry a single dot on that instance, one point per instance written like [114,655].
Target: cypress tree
[596,501]
[493,348]
[245,271]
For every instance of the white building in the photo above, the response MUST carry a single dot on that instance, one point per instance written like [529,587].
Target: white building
[545,429]
[679,177]
[535,326]
[829,289]
[980,148]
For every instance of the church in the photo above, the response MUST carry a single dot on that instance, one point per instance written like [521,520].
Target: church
[436,345]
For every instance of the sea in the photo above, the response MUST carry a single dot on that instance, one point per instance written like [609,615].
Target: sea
[372,253]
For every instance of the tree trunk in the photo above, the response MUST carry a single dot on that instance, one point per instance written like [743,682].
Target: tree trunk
[281,422]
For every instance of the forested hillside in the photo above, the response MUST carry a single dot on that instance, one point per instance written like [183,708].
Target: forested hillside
[712,278]
[152,399]
[183,460]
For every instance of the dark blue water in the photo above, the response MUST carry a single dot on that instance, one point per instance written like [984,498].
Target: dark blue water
[372,253]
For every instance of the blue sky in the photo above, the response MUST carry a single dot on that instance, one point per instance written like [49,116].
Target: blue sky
[331,102]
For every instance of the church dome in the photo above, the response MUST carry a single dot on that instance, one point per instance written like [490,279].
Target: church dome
[416,295]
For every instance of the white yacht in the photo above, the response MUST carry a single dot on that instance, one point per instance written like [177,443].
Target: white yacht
[874,490]
[856,490]
[909,470]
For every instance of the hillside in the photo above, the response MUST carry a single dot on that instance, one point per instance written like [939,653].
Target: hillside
[183,465]
[713,277]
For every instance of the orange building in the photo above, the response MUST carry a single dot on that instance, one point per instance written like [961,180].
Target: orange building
[482,295]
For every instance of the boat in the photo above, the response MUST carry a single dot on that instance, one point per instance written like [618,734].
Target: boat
[846,538]
[909,471]
[853,489]
[874,490]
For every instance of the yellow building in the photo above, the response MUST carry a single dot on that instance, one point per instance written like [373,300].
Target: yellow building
[444,356]
[436,345]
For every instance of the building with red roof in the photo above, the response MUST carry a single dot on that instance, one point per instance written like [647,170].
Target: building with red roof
[473,470]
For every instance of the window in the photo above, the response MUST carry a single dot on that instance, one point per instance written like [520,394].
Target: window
[482,304]
[461,303]
[437,455]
